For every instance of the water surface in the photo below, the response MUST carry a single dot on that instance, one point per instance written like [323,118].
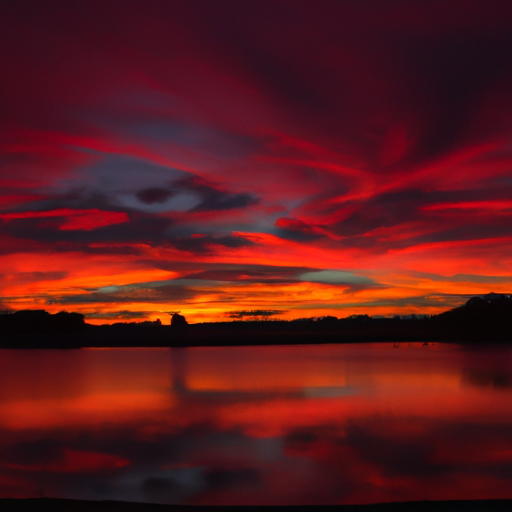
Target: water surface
[258,425]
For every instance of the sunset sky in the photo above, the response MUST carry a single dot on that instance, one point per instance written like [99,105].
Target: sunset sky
[228,158]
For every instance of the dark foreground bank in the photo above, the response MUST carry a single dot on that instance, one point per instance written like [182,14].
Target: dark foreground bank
[59,505]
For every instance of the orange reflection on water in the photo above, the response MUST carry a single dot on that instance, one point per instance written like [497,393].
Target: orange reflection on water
[81,410]
[260,368]
[258,425]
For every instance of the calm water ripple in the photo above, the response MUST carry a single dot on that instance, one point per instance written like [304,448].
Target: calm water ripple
[258,425]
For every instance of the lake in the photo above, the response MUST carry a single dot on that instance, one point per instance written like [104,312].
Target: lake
[282,425]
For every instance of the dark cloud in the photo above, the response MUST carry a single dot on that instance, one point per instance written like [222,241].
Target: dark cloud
[154,195]
[75,198]
[463,278]
[158,228]
[433,300]
[385,210]
[141,227]
[480,230]
[297,230]
[123,314]
[208,196]
[248,273]
[208,243]
[211,198]
[256,313]
[128,294]
[431,216]
[32,277]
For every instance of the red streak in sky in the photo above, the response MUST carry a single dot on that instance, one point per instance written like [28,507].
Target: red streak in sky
[74,219]
[260,140]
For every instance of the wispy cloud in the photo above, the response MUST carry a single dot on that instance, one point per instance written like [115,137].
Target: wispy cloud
[308,153]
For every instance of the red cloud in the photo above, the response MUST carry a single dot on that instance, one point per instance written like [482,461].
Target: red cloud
[84,220]
[374,140]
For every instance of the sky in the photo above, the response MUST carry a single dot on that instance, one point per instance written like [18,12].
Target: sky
[255,159]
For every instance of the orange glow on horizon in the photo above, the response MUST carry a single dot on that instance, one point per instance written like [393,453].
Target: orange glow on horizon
[208,174]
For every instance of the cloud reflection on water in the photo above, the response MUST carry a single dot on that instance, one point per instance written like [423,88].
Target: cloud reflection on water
[255,425]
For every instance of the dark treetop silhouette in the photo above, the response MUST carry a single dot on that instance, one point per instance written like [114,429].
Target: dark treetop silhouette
[482,319]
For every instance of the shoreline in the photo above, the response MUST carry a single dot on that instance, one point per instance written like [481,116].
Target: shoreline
[65,505]
[478,321]
[242,334]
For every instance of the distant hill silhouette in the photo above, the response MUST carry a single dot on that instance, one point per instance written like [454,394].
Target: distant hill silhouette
[486,317]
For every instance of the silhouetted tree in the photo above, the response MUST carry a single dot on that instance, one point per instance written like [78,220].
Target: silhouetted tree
[178,320]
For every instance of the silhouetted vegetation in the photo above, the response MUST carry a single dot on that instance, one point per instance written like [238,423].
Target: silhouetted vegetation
[487,317]
[481,319]
[178,320]
[40,321]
